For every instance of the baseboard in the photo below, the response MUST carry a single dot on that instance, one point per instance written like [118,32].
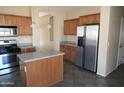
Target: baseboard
[101,74]
[105,75]
[110,71]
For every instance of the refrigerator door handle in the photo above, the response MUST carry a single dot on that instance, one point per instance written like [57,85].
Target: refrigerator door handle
[83,44]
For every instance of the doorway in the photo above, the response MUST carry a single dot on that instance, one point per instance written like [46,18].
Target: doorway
[120,59]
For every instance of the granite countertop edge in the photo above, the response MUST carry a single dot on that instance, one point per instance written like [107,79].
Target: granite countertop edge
[40,58]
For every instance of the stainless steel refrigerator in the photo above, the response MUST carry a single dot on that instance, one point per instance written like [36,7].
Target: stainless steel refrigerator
[87,46]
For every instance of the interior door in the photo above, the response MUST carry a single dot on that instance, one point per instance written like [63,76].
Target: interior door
[91,42]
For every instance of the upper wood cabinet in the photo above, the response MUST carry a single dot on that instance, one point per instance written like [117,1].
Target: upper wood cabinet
[22,22]
[66,27]
[70,26]
[10,20]
[89,19]
[2,21]
[28,26]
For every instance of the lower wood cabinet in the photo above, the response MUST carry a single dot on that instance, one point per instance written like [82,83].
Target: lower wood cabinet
[70,53]
[73,55]
[42,73]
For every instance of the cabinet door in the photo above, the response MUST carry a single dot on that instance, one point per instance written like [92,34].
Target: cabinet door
[62,49]
[23,24]
[28,29]
[10,20]
[89,19]
[2,21]
[73,26]
[92,19]
[97,17]
[73,55]
[66,27]
[83,20]
[20,25]
[67,53]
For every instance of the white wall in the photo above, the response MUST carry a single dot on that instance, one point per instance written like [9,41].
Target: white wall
[41,37]
[84,10]
[103,39]
[17,10]
[79,11]
[116,14]
[109,39]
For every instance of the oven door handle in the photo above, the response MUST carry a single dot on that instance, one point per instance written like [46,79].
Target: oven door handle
[8,54]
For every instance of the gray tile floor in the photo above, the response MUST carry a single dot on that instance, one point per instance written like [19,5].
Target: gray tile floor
[73,77]
[77,77]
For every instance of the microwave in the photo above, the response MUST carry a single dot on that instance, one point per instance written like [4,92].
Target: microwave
[8,31]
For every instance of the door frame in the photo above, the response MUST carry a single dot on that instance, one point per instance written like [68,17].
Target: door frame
[121,28]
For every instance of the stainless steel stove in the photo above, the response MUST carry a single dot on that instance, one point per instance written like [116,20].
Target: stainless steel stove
[8,56]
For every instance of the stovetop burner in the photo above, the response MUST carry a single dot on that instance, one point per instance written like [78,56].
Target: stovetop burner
[9,48]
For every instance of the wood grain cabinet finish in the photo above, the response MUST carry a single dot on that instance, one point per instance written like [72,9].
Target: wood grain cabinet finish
[73,55]
[2,21]
[22,22]
[45,72]
[70,26]
[10,20]
[66,27]
[70,53]
[89,19]
[27,50]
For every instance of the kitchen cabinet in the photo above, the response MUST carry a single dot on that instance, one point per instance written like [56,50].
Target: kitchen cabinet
[2,21]
[23,24]
[89,19]
[70,26]
[42,72]
[70,52]
[66,27]
[10,20]
[27,50]
[73,54]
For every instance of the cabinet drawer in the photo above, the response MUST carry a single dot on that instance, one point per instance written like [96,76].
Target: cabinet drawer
[27,50]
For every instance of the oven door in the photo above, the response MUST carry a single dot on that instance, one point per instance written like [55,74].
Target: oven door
[8,60]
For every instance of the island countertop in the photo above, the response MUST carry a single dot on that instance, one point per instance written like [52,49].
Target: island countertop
[28,57]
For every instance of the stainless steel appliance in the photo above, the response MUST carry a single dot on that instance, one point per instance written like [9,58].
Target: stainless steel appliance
[8,56]
[8,31]
[87,43]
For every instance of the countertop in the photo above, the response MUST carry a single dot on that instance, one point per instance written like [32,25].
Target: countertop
[28,57]
[70,43]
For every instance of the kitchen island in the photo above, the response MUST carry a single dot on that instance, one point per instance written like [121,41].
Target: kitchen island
[40,69]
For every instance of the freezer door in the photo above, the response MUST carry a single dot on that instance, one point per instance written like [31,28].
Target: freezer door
[91,44]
